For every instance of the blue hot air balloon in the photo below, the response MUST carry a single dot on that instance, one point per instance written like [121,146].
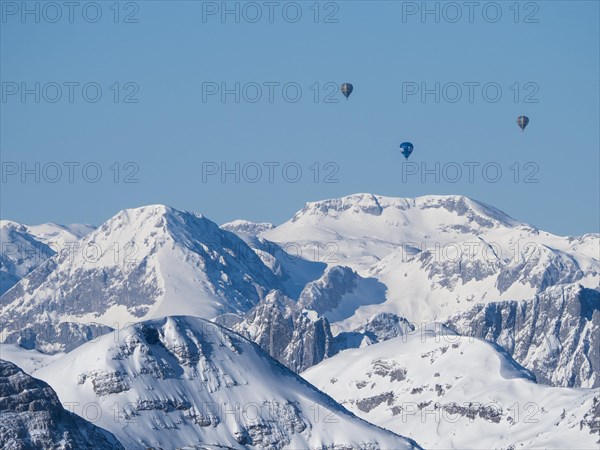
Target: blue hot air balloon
[522,121]
[347,89]
[407,149]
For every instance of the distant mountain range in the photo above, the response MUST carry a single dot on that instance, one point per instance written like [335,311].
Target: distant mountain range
[340,278]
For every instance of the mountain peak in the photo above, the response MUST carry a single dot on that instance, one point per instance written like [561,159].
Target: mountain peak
[357,203]
[142,263]
[188,376]
[11,225]
[376,205]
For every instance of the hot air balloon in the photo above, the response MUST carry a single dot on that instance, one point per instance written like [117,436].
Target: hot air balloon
[522,121]
[347,89]
[407,149]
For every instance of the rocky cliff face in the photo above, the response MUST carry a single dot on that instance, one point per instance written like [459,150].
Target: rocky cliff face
[295,337]
[32,417]
[556,335]
[326,293]
[381,327]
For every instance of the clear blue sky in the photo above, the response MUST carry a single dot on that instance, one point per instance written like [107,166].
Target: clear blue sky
[173,49]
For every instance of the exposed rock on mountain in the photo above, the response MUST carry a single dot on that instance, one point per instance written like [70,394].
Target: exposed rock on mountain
[556,335]
[295,337]
[32,417]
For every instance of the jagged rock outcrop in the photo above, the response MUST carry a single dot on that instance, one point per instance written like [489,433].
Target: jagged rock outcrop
[556,335]
[51,337]
[32,417]
[379,328]
[340,292]
[325,294]
[295,337]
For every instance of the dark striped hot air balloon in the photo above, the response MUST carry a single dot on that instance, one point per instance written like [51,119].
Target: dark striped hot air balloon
[347,89]
[522,121]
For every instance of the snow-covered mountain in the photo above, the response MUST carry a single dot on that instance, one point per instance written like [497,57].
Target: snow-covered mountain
[556,334]
[442,256]
[457,392]
[24,247]
[347,285]
[378,328]
[438,255]
[185,382]
[32,417]
[143,263]
[361,229]
[55,235]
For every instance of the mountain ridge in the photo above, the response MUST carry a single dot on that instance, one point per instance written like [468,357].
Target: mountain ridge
[181,381]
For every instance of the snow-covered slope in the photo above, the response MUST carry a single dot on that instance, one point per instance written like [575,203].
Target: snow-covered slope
[24,247]
[143,263]
[457,392]
[32,418]
[183,381]
[293,265]
[52,234]
[60,235]
[28,360]
[20,253]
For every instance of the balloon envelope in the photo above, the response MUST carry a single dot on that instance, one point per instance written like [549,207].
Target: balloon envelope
[407,149]
[347,89]
[522,121]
